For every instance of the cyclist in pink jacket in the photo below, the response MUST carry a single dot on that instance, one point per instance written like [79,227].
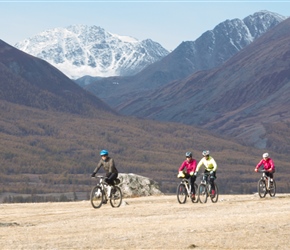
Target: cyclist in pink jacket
[268,164]
[186,170]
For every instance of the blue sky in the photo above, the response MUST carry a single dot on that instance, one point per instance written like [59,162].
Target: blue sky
[166,22]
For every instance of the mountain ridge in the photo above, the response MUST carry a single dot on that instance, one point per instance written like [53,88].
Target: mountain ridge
[30,81]
[250,89]
[80,50]
[211,49]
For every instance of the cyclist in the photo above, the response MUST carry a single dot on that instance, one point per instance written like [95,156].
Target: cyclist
[268,164]
[109,166]
[210,169]
[186,170]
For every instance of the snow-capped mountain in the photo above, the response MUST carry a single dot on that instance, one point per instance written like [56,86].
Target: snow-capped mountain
[80,50]
[216,46]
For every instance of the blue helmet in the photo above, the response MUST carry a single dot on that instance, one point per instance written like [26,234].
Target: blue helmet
[104,152]
[188,154]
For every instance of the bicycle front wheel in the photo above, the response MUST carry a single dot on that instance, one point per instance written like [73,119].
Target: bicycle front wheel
[96,197]
[116,197]
[181,193]
[202,193]
[215,198]
[262,188]
[272,190]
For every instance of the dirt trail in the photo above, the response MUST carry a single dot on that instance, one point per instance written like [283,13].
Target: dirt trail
[155,222]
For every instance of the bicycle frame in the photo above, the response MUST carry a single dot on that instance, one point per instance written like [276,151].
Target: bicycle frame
[264,185]
[187,186]
[182,194]
[266,179]
[104,186]
[204,190]
[99,194]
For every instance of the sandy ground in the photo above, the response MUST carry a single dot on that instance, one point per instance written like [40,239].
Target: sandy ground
[158,222]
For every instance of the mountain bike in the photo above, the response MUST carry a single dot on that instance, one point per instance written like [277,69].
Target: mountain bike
[99,193]
[184,191]
[265,185]
[204,190]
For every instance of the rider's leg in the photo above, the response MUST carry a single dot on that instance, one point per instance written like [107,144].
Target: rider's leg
[192,180]
[211,181]
[271,174]
[110,178]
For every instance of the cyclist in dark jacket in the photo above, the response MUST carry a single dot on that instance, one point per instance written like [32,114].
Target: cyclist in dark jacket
[109,166]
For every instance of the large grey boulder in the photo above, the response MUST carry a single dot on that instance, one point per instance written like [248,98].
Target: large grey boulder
[133,185]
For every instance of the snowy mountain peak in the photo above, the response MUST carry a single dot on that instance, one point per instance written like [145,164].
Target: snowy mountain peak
[80,50]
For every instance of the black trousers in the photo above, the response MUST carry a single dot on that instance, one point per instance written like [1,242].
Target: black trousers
[110,177]
[212,177]
[191,179]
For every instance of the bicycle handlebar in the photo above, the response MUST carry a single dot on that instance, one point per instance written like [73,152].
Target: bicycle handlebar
[262,171]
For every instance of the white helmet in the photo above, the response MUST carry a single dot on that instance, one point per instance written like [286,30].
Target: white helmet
[205,152]
[265,155]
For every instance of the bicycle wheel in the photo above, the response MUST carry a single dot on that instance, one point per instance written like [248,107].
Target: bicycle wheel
[202,193]
[96,197]
[262,188]
[272,190]
[181,193]
[196,194]
[116,197]
[216,197]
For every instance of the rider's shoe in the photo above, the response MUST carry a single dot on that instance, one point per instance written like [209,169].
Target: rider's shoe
[105,201]
[193,197]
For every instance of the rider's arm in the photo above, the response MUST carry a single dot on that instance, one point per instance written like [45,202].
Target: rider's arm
[272,166]
[98,166]
[111,166]
[213,162]
[182,166]
[259,164]
[199,165]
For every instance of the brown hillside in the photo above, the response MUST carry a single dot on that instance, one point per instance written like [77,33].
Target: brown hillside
[29,81]
[45,152]
[242,99]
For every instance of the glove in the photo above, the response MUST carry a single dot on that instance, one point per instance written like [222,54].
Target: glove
[180,175]
[191,173]
[211,172]
[256,170]
[195,174]
[93,174]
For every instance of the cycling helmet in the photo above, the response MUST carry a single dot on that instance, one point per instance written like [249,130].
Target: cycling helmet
[188,154]
[205,152]
[104,152]
[265,155]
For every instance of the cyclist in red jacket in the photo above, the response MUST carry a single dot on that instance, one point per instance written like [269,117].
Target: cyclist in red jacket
[186,170]
[268,164]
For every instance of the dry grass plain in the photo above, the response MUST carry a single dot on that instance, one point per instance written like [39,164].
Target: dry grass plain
[155,222]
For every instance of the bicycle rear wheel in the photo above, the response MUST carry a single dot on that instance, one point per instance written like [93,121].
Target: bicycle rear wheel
[196,194]
[215,198]
[262,188]
[116,197]
[272,190]
[96,197]
[181,193]
[202,193]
